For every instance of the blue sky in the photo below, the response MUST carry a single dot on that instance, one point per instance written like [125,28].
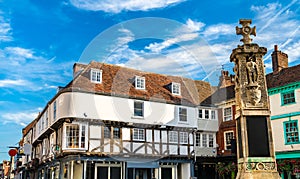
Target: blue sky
[40,41]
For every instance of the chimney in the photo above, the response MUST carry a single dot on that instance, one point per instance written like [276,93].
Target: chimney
[225,79]
[279,60]
[77,68]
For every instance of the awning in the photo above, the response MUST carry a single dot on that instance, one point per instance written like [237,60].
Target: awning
[142,165]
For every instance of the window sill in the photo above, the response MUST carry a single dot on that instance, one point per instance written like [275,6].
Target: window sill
[137,117]
[96,82]
[291,143]
[288,104]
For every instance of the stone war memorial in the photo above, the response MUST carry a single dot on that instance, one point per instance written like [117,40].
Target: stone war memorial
[255,150]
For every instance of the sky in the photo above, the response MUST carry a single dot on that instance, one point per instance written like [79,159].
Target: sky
[40,41]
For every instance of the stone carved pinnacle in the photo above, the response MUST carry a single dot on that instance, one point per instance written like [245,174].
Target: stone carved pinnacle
[246,30]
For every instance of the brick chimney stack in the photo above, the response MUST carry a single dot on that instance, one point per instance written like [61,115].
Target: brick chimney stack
[279,60]
[226,79]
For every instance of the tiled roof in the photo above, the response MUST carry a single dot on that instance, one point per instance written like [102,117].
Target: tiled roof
[119,81]
[284,77]
[221,94]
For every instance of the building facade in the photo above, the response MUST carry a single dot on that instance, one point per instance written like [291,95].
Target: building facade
[284,95]
[114,122]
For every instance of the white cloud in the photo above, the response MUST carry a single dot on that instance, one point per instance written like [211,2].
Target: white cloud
[21,118]
[5,29]
[158,47]
[293,51]
[26,71]
[10,83]
[116,6]
[194,25]
[215,31]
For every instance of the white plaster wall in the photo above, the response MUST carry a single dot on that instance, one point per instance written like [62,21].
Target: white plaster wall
[95,132]
[125,133]
[278,109]
[156,136]
[173,149]
[149,135]
[278,135]
[183,150]
[84,105]
[208,125]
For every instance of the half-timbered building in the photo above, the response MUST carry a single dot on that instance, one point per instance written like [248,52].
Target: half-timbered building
[112,122]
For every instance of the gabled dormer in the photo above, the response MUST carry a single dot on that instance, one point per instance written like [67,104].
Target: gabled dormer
[139,82]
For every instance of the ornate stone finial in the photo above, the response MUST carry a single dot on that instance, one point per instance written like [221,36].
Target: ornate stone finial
[246,30]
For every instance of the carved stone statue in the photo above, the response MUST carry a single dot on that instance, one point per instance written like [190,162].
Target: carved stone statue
[252,70]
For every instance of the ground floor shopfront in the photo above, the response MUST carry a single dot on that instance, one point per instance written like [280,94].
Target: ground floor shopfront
[111,168]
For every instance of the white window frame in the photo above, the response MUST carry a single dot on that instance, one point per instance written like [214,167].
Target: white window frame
[200,117]
[225,139]
[138,134]
[198,139]
[211,136]
[176,88]
[140,82]
[227,117]
[183,137]
[135,108]
[96,75]
[200,142]
[173,137]
[182,115]
[213,114]
[80,125]
[206,115]
[204,140]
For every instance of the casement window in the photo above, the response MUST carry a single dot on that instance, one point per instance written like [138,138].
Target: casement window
[138,109]
[200,114]
[291,132]
[96,76]
[198,139]
[227,139]
[106,132]
[139,134]
[227,113]
[54,110]
[210,140]
[116,133]
[205,140]
[183,137]
[206,113]
[173,136]
[213,114]
[288,97]
[139,82]
[75,136]
[176,88]
[182,114]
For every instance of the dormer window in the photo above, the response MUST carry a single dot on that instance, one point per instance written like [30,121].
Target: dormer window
[175,88]
[96,76]
[139,82]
